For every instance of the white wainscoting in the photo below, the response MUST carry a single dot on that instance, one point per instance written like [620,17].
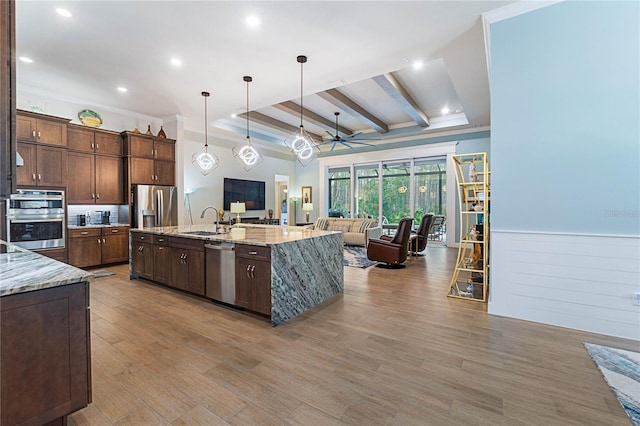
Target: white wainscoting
[584,282]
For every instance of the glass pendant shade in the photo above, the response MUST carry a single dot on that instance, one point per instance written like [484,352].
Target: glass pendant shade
[204,160]
[302,146]
[246,154]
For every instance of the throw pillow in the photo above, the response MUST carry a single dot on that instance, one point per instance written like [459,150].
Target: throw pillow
[342,228]
[366,224]
[321,224]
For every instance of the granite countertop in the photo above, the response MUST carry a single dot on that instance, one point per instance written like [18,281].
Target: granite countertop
[260,235]
[97,225]
[22,271]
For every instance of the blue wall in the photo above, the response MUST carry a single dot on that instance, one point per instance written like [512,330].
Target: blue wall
[565,139]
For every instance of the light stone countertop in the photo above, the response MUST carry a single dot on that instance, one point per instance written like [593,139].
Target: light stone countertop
[22,271]
[261,235]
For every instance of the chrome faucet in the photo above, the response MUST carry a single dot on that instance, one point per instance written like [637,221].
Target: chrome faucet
[217,216]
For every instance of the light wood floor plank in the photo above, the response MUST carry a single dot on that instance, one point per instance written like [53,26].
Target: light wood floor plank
[393,349]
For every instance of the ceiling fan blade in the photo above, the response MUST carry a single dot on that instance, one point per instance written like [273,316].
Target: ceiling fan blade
[361,143]
[330,134]
[353,135]
[334,145]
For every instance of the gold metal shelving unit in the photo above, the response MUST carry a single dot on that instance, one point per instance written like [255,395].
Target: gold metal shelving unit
[470,279]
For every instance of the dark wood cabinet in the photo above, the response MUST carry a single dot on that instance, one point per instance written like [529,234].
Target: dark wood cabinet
[7,101]
[142,252]
[149,159]
[96,166]
[98,246]
[59,254]
[46,347]
[115,244]
[43,165]
[85,247]
[162,260]
[32,127]
[253,278]
[187,265]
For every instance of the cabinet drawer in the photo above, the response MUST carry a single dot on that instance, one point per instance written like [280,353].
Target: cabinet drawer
[87,232]
[161,240]
[115,230]
[187,243]
[140,237]
[253,252]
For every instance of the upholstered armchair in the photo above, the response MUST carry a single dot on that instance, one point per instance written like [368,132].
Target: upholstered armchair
[394,251]
[422,233]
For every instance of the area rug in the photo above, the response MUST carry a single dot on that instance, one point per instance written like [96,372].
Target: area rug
[357,257]
[102,273]
[621,370]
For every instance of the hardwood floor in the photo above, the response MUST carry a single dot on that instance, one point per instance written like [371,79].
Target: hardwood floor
[392,350]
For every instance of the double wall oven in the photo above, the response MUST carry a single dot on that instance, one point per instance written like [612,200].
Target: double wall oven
[35,219]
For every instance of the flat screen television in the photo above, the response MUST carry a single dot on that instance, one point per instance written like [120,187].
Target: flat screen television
[250,192]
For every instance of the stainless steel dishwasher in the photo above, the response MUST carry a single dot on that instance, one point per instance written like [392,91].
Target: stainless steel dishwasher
[220,260]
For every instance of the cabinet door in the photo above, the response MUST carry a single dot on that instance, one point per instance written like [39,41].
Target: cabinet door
[25,128]
[141,170]
[179,269]
[51,132]
[108,178]
[195,265]
[26,175]
[164,150]
[51,166]
[85,251]
[115,245]
[142,260]
[162,264]
[80,140]
[140,146]
[244,283]
[81,187]
[261,276]
[165,172]
[45,346]
[108,144]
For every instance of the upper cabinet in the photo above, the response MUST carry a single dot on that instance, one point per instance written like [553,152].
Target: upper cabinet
[150,159]
[31,127]
[94,141]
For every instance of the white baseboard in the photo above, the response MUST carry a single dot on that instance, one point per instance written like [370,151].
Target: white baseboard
[584,282]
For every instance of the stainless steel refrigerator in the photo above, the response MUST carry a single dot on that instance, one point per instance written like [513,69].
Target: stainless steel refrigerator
[154,205]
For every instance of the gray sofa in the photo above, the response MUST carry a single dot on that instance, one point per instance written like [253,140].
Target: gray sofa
[356,232]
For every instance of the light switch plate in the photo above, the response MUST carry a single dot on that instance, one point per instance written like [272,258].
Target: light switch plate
[636,298]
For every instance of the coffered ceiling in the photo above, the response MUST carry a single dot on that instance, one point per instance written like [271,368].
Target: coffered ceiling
[361,58]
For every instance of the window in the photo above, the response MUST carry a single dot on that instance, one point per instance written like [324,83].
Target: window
[339,192]
[430,180]
[367,194]
[396,191]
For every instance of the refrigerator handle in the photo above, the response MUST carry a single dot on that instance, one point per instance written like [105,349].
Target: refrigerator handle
[160,209]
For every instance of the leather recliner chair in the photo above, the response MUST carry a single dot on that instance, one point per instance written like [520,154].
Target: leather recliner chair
[392,252]
[423,233]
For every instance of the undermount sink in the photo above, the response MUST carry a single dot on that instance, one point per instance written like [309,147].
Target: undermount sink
[201,233]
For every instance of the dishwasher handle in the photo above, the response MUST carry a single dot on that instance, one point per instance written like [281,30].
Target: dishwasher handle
[228,247]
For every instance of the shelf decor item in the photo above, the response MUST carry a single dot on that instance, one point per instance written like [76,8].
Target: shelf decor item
[204,160]
[300,143]
[248,156]
[161,133]
[470,279]
[136,130]
[90,118]
[149,132]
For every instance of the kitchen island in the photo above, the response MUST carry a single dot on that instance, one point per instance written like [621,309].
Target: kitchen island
[280,272]
[44,338]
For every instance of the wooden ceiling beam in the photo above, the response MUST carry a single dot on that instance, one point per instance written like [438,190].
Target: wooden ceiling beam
[398,93]
[339,99]
[273,123]
[292,108]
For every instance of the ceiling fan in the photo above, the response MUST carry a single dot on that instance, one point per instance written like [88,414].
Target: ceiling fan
[348,141]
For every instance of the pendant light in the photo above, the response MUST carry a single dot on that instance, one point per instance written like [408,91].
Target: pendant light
[204,160]
[301,144]
[248,156]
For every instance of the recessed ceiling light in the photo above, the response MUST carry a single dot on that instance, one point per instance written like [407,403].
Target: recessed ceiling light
[234,115]
[64,12]
[253,21]
[25,59]
[417,65]
[444,111]
[176,62]
[122,89]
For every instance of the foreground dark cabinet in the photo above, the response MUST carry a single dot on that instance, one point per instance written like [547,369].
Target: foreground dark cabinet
[253,278]
[45,347]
